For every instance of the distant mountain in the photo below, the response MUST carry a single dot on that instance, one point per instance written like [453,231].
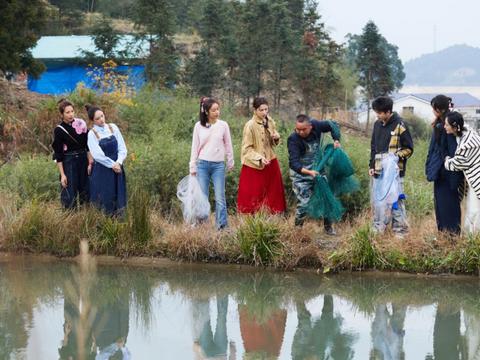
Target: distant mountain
[458,65]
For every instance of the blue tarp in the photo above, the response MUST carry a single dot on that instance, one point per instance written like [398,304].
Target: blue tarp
[58,80]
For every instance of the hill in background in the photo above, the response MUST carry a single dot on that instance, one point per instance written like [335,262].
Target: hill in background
[458,65]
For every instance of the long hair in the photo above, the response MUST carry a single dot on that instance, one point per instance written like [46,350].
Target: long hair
[205,105]
[441,104]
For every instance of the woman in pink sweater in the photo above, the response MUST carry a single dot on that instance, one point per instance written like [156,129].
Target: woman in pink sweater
[211,144]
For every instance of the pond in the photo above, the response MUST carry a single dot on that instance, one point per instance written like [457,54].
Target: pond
[65,310]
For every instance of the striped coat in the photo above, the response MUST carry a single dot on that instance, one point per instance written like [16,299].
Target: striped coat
[467,159]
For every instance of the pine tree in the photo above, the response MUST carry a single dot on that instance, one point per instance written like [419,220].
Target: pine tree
[20,25]
[202,73]
[375,65]
[253,45]
[281,40]
[310,68]
[156,18]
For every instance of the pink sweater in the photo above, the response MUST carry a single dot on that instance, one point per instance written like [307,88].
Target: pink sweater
[211,144]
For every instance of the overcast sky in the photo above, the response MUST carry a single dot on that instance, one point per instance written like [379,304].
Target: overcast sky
[409,24]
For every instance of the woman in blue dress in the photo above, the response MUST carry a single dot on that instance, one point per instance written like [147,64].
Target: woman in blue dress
[107,180]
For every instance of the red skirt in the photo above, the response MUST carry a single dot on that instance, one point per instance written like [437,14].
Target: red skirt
[261,188]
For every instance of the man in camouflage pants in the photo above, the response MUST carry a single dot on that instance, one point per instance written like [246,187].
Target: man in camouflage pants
[303,144]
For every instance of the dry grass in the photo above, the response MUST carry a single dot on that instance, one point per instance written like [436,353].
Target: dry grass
[40,227]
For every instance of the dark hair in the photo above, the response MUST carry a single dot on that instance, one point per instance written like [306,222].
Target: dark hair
[455,120]
[382,104]
[442,104]
[259,101]
[62,104]
[205,105]
[91,110]
[302,118]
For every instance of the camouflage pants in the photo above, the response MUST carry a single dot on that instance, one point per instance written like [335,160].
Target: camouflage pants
[303,189]
[383,216]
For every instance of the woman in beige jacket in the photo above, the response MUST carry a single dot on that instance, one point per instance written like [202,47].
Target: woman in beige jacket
[260,182]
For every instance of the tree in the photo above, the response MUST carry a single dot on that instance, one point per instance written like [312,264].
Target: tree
[281,39]
[202,73]
[315,58]
[379,68]
[20,25]
[252,48]
[215,60]
[106,40]
[156,20]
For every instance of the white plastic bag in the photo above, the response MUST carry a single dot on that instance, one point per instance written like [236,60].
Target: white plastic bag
[386,188]
[195,205]
[385,191]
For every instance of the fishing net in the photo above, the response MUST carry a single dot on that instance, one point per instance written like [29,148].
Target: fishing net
[195,204]
[338,179]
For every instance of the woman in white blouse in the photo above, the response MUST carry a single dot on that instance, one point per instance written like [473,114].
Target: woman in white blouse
[107,180]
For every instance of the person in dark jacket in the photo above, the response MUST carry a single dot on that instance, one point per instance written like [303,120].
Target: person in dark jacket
[71,155]
[390,135]
[446,183]
[303,144]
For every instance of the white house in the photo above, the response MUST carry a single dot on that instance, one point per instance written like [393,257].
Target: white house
[419,105]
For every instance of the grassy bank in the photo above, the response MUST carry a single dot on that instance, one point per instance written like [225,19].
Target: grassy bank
[261,240]
[158,129]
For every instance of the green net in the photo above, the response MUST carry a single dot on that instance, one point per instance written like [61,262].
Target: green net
[338,179]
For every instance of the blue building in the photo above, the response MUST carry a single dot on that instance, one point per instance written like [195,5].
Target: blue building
[62,56]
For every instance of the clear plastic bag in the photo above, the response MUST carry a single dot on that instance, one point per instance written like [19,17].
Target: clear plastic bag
[195,205]
[386,187]
[386,190]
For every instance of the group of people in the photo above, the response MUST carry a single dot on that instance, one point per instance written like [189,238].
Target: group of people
[453,163]
[90,161]
[260,184]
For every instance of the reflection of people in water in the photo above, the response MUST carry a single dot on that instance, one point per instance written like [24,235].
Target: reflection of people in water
[447,342]
[102,338]
[472,335]
[262,337]
[388,332]
[207,345]
[110,330]
[71,348]
[322,339]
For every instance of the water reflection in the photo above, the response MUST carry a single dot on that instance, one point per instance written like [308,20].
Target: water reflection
[81,311]
[322,338]
[206,344]
[388,332]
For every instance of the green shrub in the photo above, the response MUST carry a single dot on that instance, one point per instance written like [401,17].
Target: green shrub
[34,177]
[419,128]
[258,238]
[364,254]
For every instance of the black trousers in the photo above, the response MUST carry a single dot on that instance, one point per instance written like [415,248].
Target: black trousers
[447,206]
[75,168]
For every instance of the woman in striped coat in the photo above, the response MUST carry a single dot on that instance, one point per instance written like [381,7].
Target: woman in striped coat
[466,159]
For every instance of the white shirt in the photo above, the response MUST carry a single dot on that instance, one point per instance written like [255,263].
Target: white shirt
[97,152]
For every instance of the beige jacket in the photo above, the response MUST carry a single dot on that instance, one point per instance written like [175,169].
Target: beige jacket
[257,142]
